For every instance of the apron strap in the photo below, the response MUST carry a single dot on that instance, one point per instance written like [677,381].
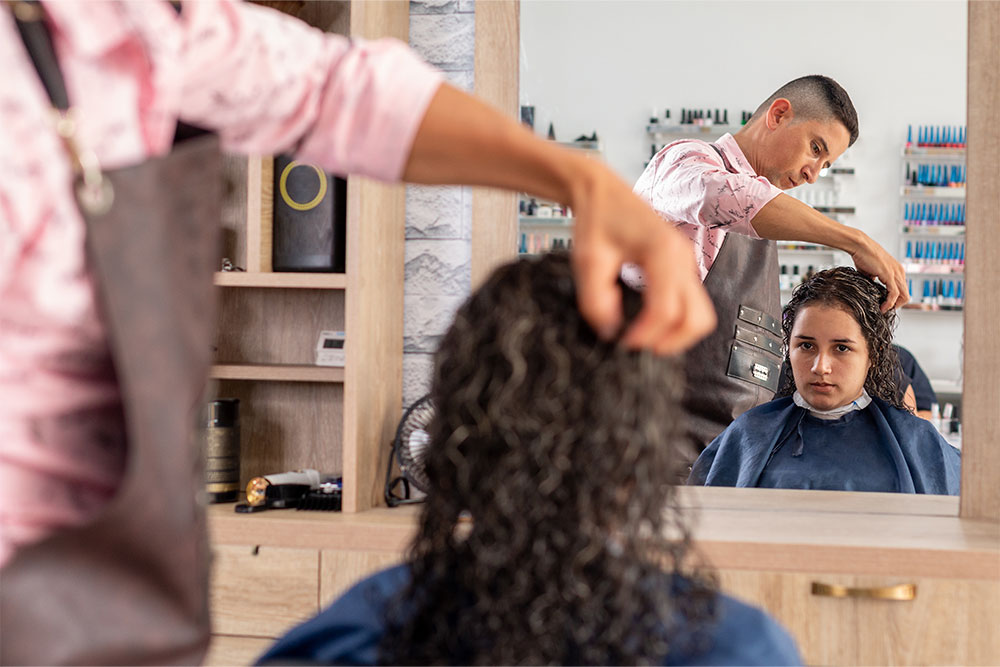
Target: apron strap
[38,42]
[725,160]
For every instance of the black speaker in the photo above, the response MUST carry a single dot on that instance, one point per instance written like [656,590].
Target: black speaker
[310,218]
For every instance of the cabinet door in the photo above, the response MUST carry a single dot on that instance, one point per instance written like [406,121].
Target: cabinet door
[949,621]
[229,650]
[342,569]
[262,591]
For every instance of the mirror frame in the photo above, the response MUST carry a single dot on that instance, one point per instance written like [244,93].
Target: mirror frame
[494,227]
[980,497]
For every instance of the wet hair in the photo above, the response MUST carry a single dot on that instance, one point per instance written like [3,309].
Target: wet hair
[557,448]
[816,97]
[861,297]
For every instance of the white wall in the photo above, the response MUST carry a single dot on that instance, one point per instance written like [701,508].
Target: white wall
[600,65]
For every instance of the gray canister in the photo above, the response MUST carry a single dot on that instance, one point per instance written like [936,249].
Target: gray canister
[222,450]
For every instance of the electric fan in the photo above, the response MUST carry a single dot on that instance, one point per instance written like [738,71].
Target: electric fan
[408,449]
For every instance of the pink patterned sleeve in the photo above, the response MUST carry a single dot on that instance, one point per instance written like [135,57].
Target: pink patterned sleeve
[270,84]
[690,184]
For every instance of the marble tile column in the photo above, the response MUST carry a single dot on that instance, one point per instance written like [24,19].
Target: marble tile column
[438,219]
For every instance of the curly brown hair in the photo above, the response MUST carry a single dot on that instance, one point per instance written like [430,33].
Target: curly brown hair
[861,297]
[557,448]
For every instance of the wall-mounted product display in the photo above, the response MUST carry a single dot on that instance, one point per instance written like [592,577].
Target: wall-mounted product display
[936,175]
[936,294]
[695,117]
[932,206]
[707,124]
[936,136]
[798,260]
[545,225]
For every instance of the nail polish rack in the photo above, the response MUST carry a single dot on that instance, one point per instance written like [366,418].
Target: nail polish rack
[826,195]
[545,225]
[932,216]
[706,124]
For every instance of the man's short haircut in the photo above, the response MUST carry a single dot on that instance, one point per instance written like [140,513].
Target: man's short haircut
[816,97]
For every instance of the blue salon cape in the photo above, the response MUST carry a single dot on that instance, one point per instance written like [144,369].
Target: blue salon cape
[349,630]
[878,448]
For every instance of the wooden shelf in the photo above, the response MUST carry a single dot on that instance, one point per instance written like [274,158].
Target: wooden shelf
[278,372]
[281,280]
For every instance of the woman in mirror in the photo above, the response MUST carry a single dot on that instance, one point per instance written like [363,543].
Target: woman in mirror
[840,424]
[549,533]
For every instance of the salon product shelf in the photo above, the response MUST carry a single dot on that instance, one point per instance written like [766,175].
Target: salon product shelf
[541,221]
[278,372]
[834,210]
[934,230]
[792,246]
[934,269]
[931,307]
[933,191]
[591,147]
[331,281]
[934,152]
[664,130]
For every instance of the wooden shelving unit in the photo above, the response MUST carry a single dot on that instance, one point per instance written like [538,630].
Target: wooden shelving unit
[293,413]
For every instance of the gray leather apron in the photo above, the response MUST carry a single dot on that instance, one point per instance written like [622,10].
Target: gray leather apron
[131,586]
[736,367]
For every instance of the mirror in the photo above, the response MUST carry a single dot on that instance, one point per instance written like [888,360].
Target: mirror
[612,68]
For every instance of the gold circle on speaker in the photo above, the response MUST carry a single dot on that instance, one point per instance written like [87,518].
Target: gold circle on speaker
[283,187]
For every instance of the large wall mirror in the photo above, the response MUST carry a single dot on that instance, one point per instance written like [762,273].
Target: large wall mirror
[610,67]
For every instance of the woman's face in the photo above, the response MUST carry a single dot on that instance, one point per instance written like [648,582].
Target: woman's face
[829,356]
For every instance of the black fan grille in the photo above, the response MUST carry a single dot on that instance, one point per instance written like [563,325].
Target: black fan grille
[412,441]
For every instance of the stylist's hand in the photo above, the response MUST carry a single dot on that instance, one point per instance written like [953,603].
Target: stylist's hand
[872,260]
[612,226]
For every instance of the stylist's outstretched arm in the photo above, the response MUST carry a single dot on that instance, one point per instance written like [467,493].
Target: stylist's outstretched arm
[465,141]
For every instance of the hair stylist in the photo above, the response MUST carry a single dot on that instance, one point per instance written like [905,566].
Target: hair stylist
[109,213]
[727,198]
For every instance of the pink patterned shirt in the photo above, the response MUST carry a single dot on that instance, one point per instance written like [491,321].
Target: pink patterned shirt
[266,83]
[688,184]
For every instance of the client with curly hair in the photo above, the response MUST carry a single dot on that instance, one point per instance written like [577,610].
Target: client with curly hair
[549,535]
[841,424]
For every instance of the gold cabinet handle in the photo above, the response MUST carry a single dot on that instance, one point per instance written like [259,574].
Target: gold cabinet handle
[902,592]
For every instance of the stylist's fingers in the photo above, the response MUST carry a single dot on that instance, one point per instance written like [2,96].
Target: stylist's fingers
[891,297]
[596,264]
[676,311]
[897,294]
[872,260]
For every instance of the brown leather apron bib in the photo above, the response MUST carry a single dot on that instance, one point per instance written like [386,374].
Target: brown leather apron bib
[131,586]
[736,367]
